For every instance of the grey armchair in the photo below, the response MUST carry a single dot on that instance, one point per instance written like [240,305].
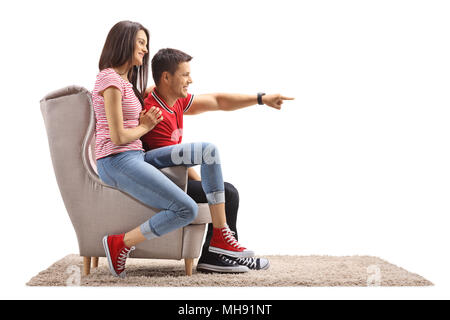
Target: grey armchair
[96,209]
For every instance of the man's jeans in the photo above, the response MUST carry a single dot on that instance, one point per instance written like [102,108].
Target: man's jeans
[136,173]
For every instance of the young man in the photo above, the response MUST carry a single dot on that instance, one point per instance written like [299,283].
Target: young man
[172,76]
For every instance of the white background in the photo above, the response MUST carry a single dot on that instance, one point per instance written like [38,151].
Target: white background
[357,164]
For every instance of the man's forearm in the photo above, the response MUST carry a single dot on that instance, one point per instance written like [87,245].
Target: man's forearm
[233,101]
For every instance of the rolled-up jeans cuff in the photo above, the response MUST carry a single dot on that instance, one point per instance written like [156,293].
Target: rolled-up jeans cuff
[216,197]
[147,231]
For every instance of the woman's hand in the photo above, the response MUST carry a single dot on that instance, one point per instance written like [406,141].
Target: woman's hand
[149,119]
[274,100]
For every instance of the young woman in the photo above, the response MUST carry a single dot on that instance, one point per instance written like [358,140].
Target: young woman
[118,100]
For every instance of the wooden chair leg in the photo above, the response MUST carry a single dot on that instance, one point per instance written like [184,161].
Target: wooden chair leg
[188,264]
[94,262]
[86,266]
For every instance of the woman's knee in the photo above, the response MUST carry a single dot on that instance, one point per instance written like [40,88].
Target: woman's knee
[188,209]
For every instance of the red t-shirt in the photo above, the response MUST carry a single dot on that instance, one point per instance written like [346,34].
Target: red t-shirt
[170,130]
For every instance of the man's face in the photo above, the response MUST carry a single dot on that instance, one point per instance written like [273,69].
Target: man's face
[180,80]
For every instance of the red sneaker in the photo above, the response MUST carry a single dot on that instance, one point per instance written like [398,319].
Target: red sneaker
[224,242]
[117,254]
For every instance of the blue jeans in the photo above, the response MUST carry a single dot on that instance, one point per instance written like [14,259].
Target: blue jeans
[136,173]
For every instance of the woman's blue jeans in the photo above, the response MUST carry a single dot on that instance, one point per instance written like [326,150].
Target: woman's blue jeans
[136,173]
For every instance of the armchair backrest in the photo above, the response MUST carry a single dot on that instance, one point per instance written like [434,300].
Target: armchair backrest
[70,128]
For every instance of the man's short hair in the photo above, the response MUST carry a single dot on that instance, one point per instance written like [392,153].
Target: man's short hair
[167,60]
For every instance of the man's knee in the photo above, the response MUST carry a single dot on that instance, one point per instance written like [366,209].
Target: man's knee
[231,193]
[210,153]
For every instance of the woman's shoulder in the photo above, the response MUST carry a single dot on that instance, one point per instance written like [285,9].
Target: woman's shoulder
[108,72]
[106,78]
[110,75]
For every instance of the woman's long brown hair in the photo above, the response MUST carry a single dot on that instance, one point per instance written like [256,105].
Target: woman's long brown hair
[119,49]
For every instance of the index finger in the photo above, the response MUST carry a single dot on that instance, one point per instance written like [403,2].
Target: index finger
[287,98]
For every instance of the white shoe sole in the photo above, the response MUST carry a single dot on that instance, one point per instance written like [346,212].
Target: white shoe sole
[212,268]
[243,254]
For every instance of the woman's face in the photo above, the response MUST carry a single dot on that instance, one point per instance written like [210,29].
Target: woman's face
[140,48]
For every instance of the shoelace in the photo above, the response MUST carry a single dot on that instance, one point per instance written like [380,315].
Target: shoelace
[249,262]
[229,238]
[122,258]
[228,260]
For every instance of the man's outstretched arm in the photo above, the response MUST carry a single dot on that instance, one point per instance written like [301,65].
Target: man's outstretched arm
[232,101]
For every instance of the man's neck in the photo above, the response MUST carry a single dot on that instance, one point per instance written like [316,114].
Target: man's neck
[165,94]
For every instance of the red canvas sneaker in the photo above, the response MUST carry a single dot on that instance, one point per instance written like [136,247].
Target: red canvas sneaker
[117,254]
[224,242]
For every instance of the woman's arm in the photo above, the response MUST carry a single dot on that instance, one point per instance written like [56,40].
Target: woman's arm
[113,109]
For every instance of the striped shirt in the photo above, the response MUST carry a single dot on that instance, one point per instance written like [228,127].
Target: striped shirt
[131,108]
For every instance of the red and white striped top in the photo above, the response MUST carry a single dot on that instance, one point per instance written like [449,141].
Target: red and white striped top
[131,108]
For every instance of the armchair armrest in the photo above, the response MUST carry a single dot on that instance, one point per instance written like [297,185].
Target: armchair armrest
[178,174]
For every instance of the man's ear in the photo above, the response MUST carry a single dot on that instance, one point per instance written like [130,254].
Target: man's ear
[165,76]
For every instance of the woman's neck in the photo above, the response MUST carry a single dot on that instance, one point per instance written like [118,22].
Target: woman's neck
[123,72]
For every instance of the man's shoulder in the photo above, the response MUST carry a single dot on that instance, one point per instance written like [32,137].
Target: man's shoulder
[150,100]
[185,101]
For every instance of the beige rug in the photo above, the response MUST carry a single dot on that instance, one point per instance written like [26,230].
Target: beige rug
[285,271]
